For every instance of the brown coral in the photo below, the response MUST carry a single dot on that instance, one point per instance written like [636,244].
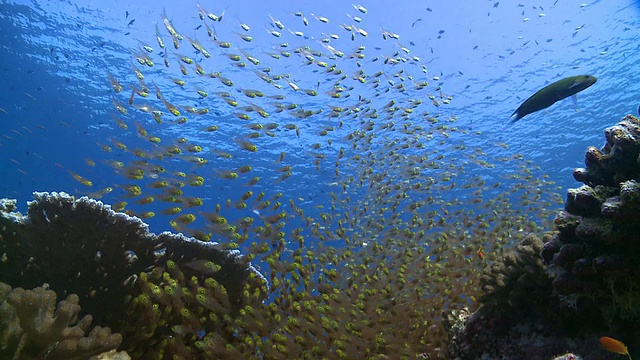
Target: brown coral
[519,276]
[33,328]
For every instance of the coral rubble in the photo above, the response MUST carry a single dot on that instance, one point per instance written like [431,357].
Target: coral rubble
[31,327]
[117,268]
[582,281]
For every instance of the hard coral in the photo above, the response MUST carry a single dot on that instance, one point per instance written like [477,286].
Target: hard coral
[515,309]
[594,255]
[521,316]
[591,263]
[81,246]
[31,327]
[519,277]
[617,160]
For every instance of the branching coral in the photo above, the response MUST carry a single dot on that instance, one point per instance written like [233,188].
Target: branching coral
[33,328]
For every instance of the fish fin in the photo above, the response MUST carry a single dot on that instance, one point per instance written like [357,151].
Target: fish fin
[575,102]
[575,83]
[514,117]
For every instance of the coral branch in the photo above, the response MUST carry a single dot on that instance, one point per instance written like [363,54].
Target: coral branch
[33,328]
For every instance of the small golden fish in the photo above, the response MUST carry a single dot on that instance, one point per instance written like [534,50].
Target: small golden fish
[615,346]
[114,83]
[80,179]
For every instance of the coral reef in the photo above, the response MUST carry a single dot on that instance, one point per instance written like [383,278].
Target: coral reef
[583,280]
[519,277]
[519,317]
[31,327]
[594,255]
[80,246]
[176,297]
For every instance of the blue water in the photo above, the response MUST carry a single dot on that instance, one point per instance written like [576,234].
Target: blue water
[488,56]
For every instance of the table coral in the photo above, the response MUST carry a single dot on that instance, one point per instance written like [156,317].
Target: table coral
[81,246]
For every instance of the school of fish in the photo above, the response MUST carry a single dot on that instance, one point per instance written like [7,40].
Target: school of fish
[399,215]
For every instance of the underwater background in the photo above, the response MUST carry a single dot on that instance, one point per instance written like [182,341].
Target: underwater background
[489,58]
[337,123]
